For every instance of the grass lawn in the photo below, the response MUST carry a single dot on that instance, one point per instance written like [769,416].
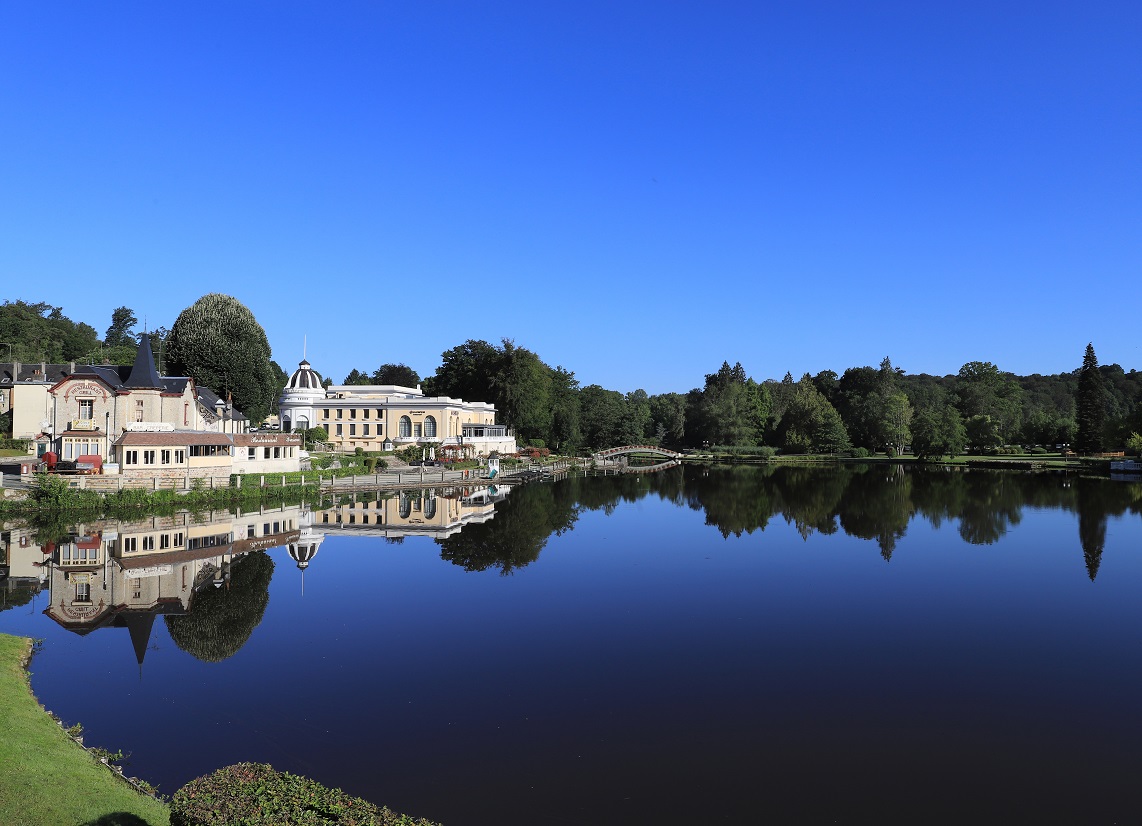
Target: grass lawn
[5,451]
[45,778]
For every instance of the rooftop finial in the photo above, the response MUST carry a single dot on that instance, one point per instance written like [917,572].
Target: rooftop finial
[303,343]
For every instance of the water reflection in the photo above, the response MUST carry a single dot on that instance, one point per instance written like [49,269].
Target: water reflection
[873,503]
[208,576]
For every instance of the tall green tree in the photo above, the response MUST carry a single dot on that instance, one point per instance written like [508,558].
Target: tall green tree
[668,417]
[218,342]
[356,377]
[938,431]
[810,423]
[601,416]
[985,391]
[732,408]
[1090,406]
[566,432]
[121,330]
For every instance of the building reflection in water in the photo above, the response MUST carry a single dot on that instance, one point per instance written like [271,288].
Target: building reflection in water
[111,574]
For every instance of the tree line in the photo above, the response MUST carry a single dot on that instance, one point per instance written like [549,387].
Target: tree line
[980,409]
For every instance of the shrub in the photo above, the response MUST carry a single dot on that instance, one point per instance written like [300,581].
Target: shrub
[766,452]
[253,794]
[859,453]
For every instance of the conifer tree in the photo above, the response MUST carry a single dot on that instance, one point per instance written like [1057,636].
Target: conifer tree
[1090,405]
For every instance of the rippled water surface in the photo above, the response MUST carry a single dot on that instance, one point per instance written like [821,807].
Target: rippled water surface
[700,645]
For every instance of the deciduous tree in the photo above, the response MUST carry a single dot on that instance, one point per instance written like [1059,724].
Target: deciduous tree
[218,342]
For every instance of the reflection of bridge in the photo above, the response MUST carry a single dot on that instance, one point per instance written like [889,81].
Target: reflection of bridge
[617,457]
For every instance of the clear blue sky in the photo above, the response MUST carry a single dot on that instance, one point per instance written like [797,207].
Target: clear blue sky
[634,190]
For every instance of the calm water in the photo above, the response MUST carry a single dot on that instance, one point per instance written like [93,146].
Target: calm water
[703,645]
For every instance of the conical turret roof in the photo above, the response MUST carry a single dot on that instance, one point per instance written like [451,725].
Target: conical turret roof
[143,373]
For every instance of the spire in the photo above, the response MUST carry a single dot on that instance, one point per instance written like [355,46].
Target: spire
[143,373]
[139,625]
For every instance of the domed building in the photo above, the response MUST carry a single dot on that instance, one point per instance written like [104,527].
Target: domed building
[298,401]
[385,417]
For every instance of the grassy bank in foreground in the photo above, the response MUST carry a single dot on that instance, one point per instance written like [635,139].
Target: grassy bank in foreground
[45,778]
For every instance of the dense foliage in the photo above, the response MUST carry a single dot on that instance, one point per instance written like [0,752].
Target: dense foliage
[254,794]
[42,333]
[217,342]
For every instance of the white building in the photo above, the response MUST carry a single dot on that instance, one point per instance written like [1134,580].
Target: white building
[387,417]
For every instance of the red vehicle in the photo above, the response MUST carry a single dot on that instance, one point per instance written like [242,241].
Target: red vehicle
[86,465]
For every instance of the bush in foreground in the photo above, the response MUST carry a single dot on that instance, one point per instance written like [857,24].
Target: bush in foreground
[253,794]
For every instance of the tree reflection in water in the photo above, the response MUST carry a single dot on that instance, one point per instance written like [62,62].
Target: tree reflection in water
[221,620]
[871,502]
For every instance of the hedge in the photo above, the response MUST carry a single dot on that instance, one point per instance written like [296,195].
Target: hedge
[254,794]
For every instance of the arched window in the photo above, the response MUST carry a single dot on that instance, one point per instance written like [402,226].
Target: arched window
[303,423]
[405,506]
[405,427]
[429,427]
[430,508]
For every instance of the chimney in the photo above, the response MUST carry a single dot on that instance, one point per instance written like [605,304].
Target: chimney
[43,368]
[70,367]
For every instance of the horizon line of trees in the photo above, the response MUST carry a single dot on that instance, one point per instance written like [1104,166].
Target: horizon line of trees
[876,409]
[980,408]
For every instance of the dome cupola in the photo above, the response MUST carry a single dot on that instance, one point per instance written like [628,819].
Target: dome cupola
[304,378]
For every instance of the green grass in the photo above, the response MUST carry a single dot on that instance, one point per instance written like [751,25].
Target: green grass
[7,451]
[45,778]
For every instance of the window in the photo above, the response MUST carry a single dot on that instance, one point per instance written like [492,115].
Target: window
[83,592]
[164,541]
[148,457]
[251,452]
[405,427]
[148,543]
[352,430]
[340,412]
[209,450]
[338,430]
[130,543]
[139,410]
[418,430]
[178,539]
[353,413]
[166,457]
[131,457]
[325,413]
[366,413]
[366,433]
[87,409]
[185,414]
[265,453]
[180,457]
[277,453]
[250,532]
[430,427]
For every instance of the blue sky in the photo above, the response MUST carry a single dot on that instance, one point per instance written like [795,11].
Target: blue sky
[636,191]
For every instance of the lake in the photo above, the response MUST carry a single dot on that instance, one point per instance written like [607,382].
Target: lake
[708,644]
